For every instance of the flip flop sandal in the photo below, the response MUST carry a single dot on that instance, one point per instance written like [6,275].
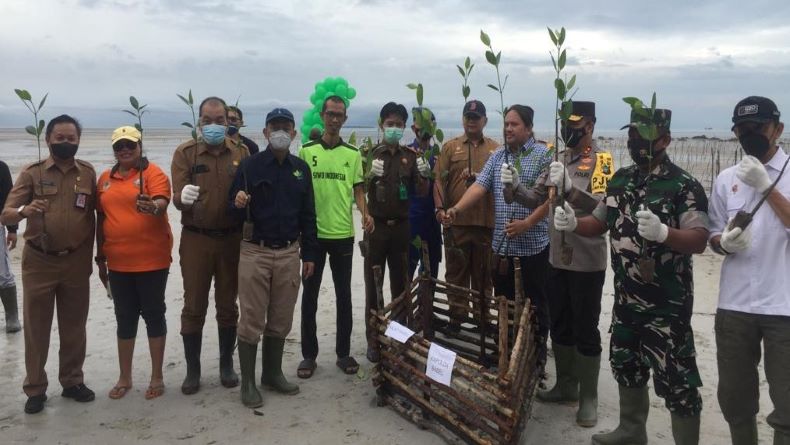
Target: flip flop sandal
[118,392]
[306,368]
[154,391]
[348,365]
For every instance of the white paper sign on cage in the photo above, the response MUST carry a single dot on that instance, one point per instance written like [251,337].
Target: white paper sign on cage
[398,332]
[440,364]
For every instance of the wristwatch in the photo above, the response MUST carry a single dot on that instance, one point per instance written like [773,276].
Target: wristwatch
[19,210]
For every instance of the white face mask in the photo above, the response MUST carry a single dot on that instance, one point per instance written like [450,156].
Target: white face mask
[280,140]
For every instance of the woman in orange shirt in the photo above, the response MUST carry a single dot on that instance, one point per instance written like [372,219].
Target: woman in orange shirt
[134,243]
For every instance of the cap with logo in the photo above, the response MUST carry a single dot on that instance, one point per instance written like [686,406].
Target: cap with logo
[280,113]
[581,109]
[755,109]
[662,119]
[126,132]
[475,107]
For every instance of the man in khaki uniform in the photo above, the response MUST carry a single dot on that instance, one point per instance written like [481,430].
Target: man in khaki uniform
[202,173]
[468,241]
[57,197]
[574,287]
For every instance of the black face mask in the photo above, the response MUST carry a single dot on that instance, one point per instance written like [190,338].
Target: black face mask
[232,130]
[64,150]
[572,136]
[639,149]
[755,144]
[425,136]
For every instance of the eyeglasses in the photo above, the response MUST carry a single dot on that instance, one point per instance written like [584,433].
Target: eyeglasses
[334,115]
[120,145]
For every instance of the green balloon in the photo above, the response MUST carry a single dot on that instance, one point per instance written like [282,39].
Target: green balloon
[320,91]
[352,93]
[312,98]
[341,90]
[330,84]
[305,129]
[328,95]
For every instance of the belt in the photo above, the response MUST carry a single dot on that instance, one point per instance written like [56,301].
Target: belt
[272,244]
[58,253]
[214,233]
[390,221]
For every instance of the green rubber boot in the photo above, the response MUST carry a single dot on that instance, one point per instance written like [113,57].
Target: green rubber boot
[685,430]
[250,396]
[566,390]
[634,406]
[587,371]
[273,367]
[8,297]
[744,433]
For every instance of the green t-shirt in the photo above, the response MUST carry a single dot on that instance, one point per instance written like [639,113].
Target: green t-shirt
[336,170]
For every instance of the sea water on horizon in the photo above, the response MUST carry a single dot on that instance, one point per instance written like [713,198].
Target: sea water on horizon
[702,157]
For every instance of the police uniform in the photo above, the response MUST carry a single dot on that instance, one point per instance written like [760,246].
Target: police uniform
[468,241]
[388,204]
[209,247]
[56,266]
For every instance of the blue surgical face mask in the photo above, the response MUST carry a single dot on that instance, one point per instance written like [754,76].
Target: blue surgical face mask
[393,135]
[213,134]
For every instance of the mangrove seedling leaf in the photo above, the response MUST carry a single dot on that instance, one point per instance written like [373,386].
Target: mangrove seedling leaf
[552,35]
[23,94]
[31,130]
[468,63]
[184,99]
[130,112]
[138,127]
[439,135]
[419,94]
[561,37]
[493,87]
[465,90]
[191,100]
[571,83]
[43,99]
[411,86]
[461,70]
[133,101]
[562,60]
[491,57]
[40,127]
[484,38]
[186,124]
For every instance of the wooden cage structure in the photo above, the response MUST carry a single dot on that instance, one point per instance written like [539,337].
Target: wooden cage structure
[495,373]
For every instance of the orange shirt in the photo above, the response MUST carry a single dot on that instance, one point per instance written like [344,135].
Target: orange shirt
[134,241]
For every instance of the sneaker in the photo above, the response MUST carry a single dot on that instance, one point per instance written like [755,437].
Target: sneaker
[373,355]
[79,392]
[35,404]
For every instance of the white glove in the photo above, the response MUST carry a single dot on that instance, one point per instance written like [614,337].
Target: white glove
[565,218]
[377,167]
[650,227]
[509,176]
[752,173]
[423,168]
[190,194]
[736,240]
[556,173]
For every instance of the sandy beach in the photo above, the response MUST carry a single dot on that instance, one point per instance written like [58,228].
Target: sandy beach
[332,408]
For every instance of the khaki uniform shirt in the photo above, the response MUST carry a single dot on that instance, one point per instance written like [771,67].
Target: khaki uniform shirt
[400,176]
[70,220]
[194,164]
[590,171]
[454,159]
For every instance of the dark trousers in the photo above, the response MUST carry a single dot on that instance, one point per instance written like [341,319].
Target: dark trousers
[387,244]
[575,306]
[341,252]
[137,294]
[427,228]
[534,270]
[739,336]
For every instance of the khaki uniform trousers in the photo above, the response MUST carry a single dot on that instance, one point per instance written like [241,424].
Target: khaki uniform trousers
[49,281]
[269,282]
[468,265]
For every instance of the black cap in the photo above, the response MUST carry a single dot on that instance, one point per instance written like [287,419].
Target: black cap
[662,118]
[581,109]
[280,113]
[475,107]
[755,109]
[392,108]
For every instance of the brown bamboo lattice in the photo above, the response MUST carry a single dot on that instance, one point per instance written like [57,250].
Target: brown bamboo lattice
[496,369]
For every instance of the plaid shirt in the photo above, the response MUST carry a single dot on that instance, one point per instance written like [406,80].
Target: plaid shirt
[535,157]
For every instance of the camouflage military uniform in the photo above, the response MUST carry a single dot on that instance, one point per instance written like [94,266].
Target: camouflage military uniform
[651,321]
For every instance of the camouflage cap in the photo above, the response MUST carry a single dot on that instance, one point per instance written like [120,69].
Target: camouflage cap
[662,118]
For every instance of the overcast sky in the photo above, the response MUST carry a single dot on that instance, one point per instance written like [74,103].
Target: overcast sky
[700,56]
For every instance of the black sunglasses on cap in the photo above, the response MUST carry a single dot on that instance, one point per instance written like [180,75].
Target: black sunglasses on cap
[124,144]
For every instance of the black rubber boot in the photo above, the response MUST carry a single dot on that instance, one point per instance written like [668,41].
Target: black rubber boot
[8,296]
[227,343]
[685,430]
[192,345]
[272,367]
[250,396]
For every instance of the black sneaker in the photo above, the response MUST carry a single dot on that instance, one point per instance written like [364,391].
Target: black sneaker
[79,392]
[35,404]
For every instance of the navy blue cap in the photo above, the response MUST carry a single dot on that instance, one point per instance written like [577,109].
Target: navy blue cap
[280,113]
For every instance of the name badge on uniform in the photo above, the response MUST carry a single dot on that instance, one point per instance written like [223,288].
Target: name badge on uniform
[81,201]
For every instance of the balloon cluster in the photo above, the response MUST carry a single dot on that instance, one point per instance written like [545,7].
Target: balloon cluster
[331,86]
